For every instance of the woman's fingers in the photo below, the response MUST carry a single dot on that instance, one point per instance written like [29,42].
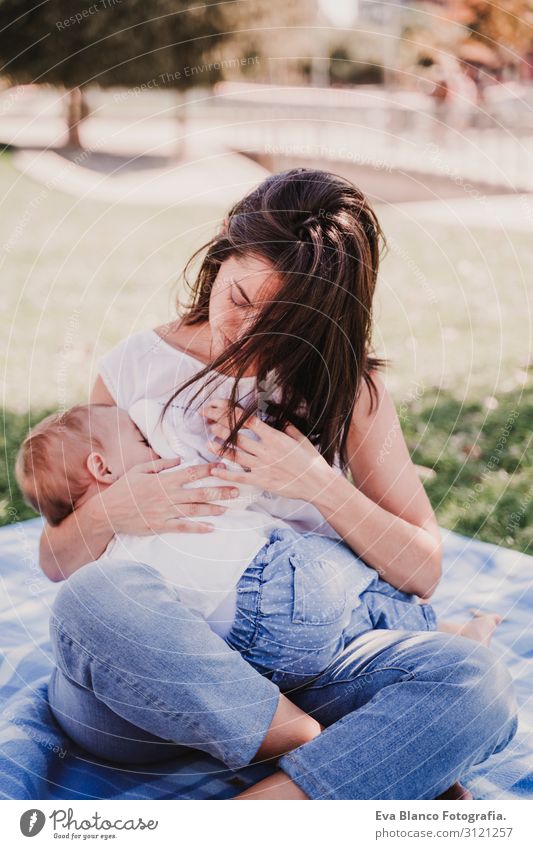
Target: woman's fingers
[175,482]
[259,427]
[294,433]
[244,458]
[186,526]
[218,411]
[195,508]
[154,466]
[208,493]
[235,477]
[245,443]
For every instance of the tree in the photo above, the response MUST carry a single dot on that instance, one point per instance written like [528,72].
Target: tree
[505,26]
[109,43]
[281,36]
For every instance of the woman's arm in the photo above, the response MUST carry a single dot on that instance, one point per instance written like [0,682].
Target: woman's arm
[386,518]
[80,538]
[140,502]
[84,535]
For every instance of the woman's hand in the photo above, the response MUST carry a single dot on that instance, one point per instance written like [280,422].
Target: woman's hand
[283,462]
[145,502]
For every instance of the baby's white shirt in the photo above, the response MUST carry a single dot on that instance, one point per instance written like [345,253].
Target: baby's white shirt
[145,366]
[203,568]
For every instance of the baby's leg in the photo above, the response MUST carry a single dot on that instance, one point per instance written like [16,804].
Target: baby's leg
[294,605]
[393,610]
[480,628]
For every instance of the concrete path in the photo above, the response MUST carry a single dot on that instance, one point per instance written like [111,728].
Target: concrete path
[131,157]
[213,177]
[136,159]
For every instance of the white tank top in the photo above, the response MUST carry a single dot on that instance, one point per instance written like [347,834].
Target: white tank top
[145,366]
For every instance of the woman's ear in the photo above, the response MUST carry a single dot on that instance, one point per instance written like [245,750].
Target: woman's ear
[98,469]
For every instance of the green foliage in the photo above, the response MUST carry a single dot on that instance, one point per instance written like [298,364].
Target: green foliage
[14,428]
[345,70]
[506,27]
[109,42]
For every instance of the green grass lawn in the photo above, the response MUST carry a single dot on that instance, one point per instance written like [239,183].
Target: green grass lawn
[452,315]
[483,463]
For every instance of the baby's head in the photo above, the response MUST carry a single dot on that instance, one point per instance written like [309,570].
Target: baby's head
[67,454]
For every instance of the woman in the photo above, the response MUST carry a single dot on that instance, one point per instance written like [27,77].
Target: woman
[282,309]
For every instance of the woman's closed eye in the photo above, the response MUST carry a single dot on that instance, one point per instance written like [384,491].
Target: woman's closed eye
[244,300]
[240,303]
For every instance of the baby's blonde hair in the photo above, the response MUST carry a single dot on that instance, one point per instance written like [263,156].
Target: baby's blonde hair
[51,466]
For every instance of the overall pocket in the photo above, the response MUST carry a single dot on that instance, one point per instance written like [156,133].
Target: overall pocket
[319,591]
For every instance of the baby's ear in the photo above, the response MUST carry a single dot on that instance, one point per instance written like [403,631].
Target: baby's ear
[98,469]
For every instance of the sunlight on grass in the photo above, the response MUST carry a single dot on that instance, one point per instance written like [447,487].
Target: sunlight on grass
[77,277]
[482,454]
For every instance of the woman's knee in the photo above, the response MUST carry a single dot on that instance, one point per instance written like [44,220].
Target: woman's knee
[96,612]
[488,675]
[108,607]
[95,595]
[496,695]
[482,680]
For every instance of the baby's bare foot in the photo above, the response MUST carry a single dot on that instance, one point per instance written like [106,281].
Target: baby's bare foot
[480,628]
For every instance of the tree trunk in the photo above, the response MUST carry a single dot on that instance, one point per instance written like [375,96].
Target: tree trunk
[76,113]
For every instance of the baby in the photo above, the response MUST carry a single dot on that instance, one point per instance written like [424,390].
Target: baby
[287,601]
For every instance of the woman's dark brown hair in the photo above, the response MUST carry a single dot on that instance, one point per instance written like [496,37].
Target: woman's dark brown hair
[313,340]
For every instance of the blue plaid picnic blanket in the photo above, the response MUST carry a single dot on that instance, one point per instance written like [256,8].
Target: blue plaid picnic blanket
[37,761]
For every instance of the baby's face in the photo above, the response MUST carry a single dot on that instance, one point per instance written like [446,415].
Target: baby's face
[124,444]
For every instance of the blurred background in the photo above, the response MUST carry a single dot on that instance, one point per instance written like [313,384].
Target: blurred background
[127,129]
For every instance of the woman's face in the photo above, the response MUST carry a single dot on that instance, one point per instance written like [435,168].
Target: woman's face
[241,286]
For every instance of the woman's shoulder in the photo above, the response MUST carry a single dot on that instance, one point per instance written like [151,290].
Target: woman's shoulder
[151,361]
[173,337]
[118,366]
[127,348]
